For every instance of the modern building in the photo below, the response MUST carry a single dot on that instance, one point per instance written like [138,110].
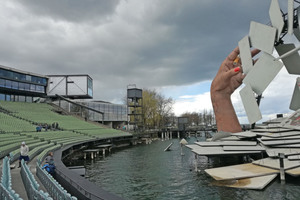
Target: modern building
[114,115]
[17,85]
[79,86]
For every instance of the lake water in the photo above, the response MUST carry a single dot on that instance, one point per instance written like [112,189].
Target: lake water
[147,172]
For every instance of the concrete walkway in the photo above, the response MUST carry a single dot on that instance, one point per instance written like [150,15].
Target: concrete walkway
[16,180]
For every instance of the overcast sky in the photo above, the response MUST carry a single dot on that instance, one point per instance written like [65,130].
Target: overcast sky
[173,46]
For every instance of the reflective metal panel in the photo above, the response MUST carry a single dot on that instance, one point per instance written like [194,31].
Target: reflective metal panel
[263,72]
[262,37]
[245,54]
[250,105]
[292,62]
[276,17]
[295,102]
[290,16]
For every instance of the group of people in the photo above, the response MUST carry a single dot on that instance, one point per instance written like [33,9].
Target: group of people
[53,126]
[49,165]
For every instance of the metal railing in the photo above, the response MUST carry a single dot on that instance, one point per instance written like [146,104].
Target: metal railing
[53,187]
[31,185]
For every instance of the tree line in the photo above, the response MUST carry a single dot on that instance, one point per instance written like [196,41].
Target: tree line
[204,118]
[157,112]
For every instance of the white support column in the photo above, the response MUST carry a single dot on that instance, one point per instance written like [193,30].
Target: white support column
[196,163]
[181,145]
[178,134]
[92,155]
[103,152]
[84,156]
[162,136]
[171,136]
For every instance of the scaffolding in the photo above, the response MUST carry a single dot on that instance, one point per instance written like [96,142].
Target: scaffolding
[135,108]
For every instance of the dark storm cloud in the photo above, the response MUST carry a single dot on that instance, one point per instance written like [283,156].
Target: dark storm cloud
[149,43]
[72,10]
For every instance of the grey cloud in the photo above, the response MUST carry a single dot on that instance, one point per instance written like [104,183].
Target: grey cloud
[72,10]
[159,43]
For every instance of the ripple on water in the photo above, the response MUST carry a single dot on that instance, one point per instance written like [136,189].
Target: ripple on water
[147,172]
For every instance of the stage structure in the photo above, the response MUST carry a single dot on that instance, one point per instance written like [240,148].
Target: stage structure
[269,38]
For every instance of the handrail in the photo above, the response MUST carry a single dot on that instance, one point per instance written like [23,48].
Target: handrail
[31,185]
[53,187]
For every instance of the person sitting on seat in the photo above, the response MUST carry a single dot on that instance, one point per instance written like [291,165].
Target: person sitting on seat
[49,164]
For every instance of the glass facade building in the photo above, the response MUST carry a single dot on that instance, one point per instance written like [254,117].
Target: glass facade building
[112,112]
[16,85]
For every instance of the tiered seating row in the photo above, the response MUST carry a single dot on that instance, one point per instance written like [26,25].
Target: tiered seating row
[38,141]
[6,190]
[31,185]
[16,153]
[14,144]
[10,124]
[42,113]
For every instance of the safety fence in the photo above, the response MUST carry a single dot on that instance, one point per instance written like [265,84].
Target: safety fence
[6,191]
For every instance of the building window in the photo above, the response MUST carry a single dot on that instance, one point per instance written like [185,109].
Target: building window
[7,84]
[44,81]
[14,85]
[2,83]
[29,99]
[2,97]
[21,86]
[8,74]
[90,87]
[22,98]
[27,87]
[28,78]
[8,98]
[32,87]
[34,79]
[40,89]
[1,72]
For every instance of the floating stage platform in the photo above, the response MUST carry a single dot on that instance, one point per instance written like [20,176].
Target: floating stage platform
[275,144]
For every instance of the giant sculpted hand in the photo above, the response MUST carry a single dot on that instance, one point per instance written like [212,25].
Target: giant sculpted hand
[227,80]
